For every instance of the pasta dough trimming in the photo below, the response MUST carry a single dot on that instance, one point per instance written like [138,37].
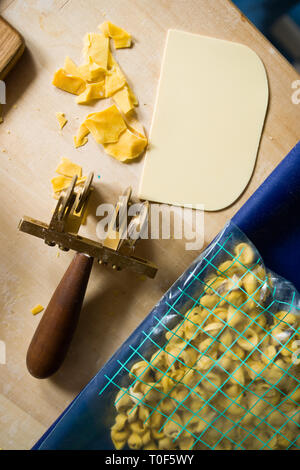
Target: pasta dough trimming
[98,78]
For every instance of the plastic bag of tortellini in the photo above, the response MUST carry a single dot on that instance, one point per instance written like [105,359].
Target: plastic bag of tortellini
[217,368]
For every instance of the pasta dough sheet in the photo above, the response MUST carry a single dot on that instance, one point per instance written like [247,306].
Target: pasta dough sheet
[208,120]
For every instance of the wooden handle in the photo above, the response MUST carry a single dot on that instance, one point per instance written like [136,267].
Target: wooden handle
[54,333]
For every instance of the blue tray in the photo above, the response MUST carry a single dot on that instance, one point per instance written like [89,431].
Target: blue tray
[270,219]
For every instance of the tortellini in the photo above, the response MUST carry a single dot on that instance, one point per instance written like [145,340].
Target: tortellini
[226,377]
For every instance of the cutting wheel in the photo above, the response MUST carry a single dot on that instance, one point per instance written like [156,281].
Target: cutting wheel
[85,193]
[68,199]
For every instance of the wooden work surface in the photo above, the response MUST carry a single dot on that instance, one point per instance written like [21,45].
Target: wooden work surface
[30,148]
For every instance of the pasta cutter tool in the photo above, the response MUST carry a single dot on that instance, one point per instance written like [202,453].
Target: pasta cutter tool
[54,333]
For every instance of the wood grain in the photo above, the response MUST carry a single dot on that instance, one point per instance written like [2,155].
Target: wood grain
[115,303]
[11,47]
[55,331]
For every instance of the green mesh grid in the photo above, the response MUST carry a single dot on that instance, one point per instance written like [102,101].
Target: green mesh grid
[249,438]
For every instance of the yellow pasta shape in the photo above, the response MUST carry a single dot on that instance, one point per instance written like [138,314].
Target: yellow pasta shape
[226,340]
[135,441]
[173,427]
[167,406]
[248,340]
[186,443]
[220,313]
[150,446]
[231,267]
[146,438]
[166,444]
[156,420]
[235,317]
[132,414]
[191,330]
[199,372]
[121,420]
[225,361]
[209,301]
[137,427]
[238,376]
[123,400]
[250,283]
[244,253]
[211,382]
[213,329]
[156,434]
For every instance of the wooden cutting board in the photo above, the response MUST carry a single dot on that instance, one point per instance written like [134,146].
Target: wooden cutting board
[30,149]
[11,47]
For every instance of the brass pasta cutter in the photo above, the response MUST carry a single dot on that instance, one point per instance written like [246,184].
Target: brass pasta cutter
[54,333]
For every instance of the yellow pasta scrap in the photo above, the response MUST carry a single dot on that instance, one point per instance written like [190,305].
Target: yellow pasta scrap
[90,72]
[114,81]
[134,125]
[128,147]
[81,138]
[69,83]
[70,67]
[120,37]
[106,126]
[59,183]
[37,309]
[123,99]
[98,78]
[93,91]
[68,168]
[62,121]
[96,47]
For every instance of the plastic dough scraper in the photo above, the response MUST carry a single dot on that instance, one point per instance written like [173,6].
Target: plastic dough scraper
[54,333]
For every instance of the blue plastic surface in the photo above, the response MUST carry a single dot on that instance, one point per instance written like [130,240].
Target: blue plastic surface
[270,218]
[264,13]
